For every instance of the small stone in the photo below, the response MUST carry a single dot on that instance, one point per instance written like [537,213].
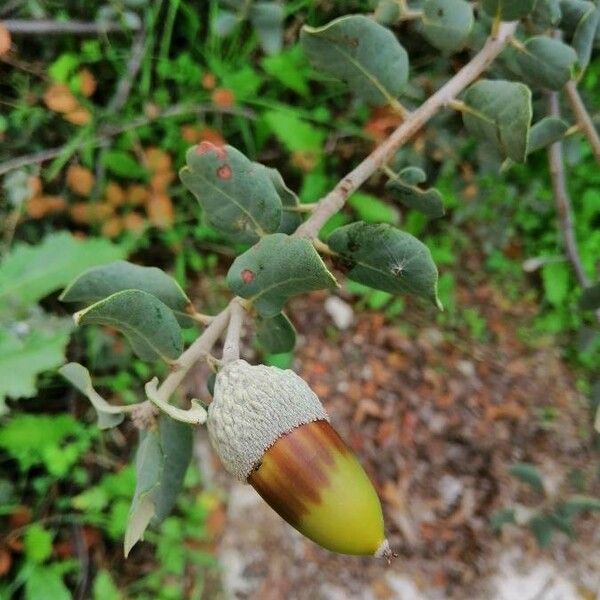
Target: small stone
[340,312]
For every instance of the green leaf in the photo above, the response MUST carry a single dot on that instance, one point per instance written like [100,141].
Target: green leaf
[29,273]
[359,51]
[387,12]
[577,503]
[542,528]
[296,134]
[38,543]
[104,587]
[290,68]
[447,23]
[122,164]
[161,462]
[387,259]
[545,132]
[546,13]
[24,357]
[557,282]
[508,10]
[45,582]
[149,324]
[290,219]
[500,112]
[502,517]
[544,62]
[267,20]
[585,32]
[237,197]
[405,189]
[278,267]
[80,378]
[99,282]
[371,209]
[590,299]
[529,474]
[276,334]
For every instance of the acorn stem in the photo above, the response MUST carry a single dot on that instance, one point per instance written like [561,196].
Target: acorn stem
[231,347]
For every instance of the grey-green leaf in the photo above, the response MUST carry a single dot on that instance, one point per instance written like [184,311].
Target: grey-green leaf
[386,258]
[577,503]
[359,51]
[545,132]
[99,282]
[447,23]
[76,374]
[237,197]
[544,62]
[500,112]
[404,187]
[149,324]
[546,13]
[276,334]
[508,10]
[529,474]
[290,218]
[583,18]
[590,299]
[29,273]
[267,20]
[277,267]
[161,461]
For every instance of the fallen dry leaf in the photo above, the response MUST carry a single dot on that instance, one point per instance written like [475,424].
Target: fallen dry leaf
[58,97]
[79,116]
[5,40]
[80,180]
[87,83]
[223,98]
[160,210]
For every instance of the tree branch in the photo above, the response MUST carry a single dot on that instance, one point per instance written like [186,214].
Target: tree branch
[199,348]
[336,199]
[583,117]
[108,131]
[51,27]
[563,202]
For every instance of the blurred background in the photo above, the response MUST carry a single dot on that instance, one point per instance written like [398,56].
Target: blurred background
[475,424]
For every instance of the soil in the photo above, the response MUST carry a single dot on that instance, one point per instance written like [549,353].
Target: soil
[435,417]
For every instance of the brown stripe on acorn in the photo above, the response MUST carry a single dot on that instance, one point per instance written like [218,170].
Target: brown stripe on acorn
[270,430]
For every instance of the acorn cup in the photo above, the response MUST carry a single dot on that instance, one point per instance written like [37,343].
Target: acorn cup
[270,430]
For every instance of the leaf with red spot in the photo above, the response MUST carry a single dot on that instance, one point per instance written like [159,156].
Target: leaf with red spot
[238,197]
[277,267]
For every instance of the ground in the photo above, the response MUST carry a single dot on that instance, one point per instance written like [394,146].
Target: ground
[435,417]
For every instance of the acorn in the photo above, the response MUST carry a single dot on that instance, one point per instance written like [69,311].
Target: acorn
[270,430]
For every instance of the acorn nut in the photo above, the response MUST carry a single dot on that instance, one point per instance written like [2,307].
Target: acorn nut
[270,430]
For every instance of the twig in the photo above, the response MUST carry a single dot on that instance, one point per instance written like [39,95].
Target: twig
[199,348]
[231,347]
[131,70]
[51,27]
[336,199]
[561,197]
[563,202]
[583,118]
[109,131]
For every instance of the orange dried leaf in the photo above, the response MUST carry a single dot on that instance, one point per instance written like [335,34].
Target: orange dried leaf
[35,186]
[160,181]
[80,180]
[35,207]
[79,116]
[112,227]
[223,98]
[190,134]
[134,222]
[5,40]
[58,97]
[209,81]
[160,210]
[53,204]
[137,194]
[157,160]
[87,83]
[5,561]
[114,194]
[208,134]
